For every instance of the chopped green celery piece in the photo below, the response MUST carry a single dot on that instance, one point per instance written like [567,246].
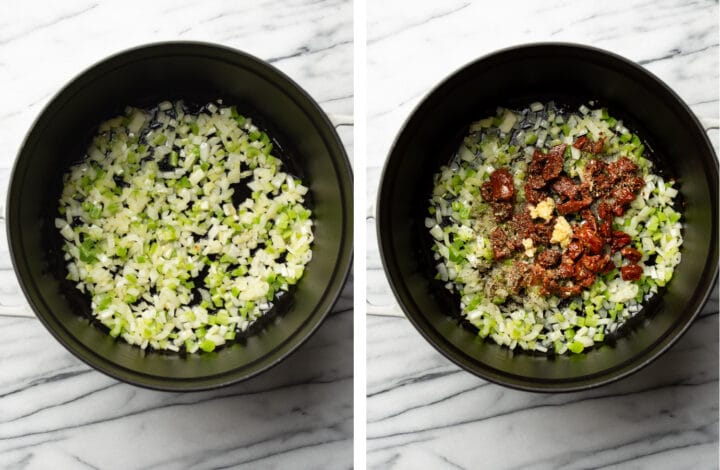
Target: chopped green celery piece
[252,152]
[304,214]
[598,337]
[227,259]
[474,302]
[116,329]
[240,271]
[254,135]
[112,208]
[625,138]
[530,139]
[173,158]
[222,318]
[569,333]
[207,345]
[120,251]
[91,210]
[565,129]
[87,251]
[580,321]
[104,303]
[159,139]
[576,346]
[184,182]
[639,150]
[612,122]
[235,291]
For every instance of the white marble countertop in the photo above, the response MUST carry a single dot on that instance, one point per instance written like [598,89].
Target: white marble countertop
[55,412]
[423,411]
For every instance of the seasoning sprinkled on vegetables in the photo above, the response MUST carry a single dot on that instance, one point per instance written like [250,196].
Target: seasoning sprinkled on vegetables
[552,227]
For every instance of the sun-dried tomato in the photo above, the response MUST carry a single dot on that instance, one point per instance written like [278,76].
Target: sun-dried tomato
[605,230]
[590,240]
[598,146]
[502,210]
[542,233]
[565,187]
[593,263]
[553,162]
[570,290]
[583,275]
[631,254]
[587,145]
[549,258]
[500,187]
[609,265]
[622,195]
[619,240]
[581,142]
[621,167]
[534,196]
[535,182]
[569,207]
[605,211]
[499,241]
[631,272]
[589,219]
[574,250]
[566,269]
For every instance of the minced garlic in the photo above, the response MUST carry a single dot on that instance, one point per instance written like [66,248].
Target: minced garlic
[562,232]
[529,248]
[544,210]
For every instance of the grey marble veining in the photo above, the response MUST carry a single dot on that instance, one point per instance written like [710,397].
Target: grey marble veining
[423,411]
[56,412]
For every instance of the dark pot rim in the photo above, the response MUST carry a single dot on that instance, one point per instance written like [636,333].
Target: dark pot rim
[455,354]
[337,280]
